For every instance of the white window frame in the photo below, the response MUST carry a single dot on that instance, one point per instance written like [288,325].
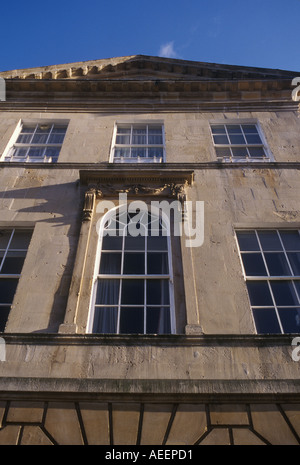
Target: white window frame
[269,278]
[232,159]
[98,276]
[8,152]
[133,125]
[5,251]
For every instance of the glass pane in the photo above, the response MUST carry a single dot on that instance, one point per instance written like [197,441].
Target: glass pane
[20,153]
[294,258]
[52,152]
[110,263]
[291,240]
[218,129]
[157,243]
[247,240]
[123,130]
[24,139]
[254,264]
[259,293]
[266,321]
[105,320]
[155,152]
[132,320]
[4,312]
[154,130]
[158,320]
[138,152]
[221,140]
[284,293]
[112,243]
[59,130]
[134,263]
[139,139]
[28,130]
[249,128]
[13,263]
[256,152]
[223,152]
[21,239]
[233,129]
[43,129]
[36,152]
[108,291]
[253,139]
[236,139]
[56,138]
[125,140]
[277,264]
[269,240]
[157,263]
[132,291]
[135,243]
[7,290]
[4,238]
[158,292]
[239,152]
[40,138]
[155,139]
[122,153]
[290,319]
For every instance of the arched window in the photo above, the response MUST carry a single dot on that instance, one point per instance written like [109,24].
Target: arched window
[133,280]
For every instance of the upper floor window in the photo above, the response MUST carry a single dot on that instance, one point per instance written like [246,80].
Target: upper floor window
[239,142]
[271,264]
[138,143]
[133,281]
[37,143]
[13,248]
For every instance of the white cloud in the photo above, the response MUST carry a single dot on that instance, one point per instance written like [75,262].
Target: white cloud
[167,50]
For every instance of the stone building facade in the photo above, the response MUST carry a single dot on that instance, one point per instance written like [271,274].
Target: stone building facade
[184,339]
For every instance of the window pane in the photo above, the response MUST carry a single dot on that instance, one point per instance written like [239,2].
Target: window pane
[259,293]
[247,240]
[158,320]
[218,129]
[291,240]
[221,140]
[233,129]
[24,139]
[284,293]
[223,152]
[157,263]
[139,139]
[249,128]
[13,263]
[294,258]
[40,138]
[132,320]
[155,152]
[124,140]
[134,263]
[4,238]
[277,264]
[20,152]
[239,152]
[155,139]
[36,152]
[4,312]
[122,152]
[290,319]
[105,320]
[138,152]
[7,290]
[269,240]
[110,263]
[134,243]
[108,291]
[158,292]
[253,139]
[236,139]
[266,321]
[123,130]
[21,239]
[56,139]
[132,291]
[254,264]
[112,243]
[157,243]
[256,152]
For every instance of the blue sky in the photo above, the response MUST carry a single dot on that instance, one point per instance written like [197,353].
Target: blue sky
[261,33]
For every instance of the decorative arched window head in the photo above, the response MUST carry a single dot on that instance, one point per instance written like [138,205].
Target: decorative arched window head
[133,291]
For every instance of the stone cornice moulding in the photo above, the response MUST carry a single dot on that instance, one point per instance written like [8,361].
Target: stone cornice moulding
[169,184]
